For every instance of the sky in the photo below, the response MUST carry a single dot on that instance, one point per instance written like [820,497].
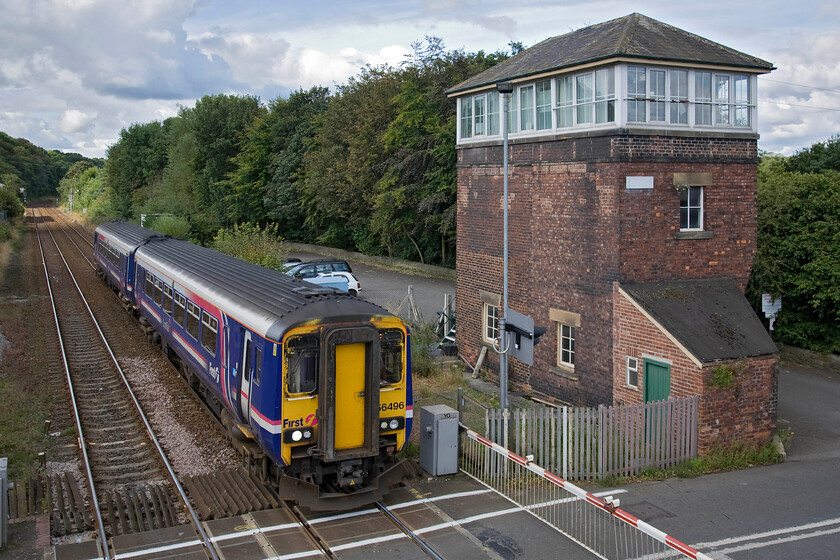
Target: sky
[73,73]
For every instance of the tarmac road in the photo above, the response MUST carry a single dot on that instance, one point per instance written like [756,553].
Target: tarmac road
[389,288]
[790,510]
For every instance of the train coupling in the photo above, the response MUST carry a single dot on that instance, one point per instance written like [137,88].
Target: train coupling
[316,498]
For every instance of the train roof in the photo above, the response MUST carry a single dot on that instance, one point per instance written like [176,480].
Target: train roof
[265,300]
[126,235]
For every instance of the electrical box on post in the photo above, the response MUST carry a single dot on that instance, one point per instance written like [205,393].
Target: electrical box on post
[439,439]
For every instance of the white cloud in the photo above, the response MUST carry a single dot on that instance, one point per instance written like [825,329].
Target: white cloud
[800,101]
[73,120]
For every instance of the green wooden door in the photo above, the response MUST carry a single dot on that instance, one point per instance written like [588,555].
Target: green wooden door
[657,381]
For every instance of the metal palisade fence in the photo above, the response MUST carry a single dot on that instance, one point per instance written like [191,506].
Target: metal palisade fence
[592,443]
[597,524]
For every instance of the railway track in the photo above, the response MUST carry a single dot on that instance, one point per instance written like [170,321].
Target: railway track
[133,488]
[121,455]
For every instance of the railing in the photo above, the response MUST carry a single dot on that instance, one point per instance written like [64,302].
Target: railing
[595,523]
[592,443]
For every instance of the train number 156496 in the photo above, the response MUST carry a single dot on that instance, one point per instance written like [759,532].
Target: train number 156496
[392,406]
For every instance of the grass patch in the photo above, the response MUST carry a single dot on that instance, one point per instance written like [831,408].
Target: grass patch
[24,386]
[721,459]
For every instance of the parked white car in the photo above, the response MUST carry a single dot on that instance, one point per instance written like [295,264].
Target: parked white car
[353,285]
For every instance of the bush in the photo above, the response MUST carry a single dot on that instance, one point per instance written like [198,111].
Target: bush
[250,243]
[172,225]
[10,203]
[5,231]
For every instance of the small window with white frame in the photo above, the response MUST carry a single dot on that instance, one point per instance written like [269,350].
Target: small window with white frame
[691,208]
[632,378]
[567,327]
[566,346]
[490,323]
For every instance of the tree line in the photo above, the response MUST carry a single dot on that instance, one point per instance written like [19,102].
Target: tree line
[369,167]
[798,246]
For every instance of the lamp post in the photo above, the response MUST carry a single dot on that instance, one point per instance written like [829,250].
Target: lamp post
[505,89]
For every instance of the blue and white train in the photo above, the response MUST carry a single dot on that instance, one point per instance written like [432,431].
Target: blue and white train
[314,385]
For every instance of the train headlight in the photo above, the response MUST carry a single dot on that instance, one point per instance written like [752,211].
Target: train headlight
[299,435]
[391,424]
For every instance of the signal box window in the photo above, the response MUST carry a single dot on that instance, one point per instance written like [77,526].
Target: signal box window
[193,313]
[209,332]
[391,356]
[302,364]
[691,209]
[566,346]
[490,323]
[632,372]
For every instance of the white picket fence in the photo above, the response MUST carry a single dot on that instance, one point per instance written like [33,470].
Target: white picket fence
[592,443]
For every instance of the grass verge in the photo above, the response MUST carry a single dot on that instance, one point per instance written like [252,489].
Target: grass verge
[721,459]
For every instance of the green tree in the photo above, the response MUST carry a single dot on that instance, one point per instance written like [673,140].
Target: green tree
[135,164]
[820,157]
[798,256]
[10,202]
[250,243]
[415,206]
[268,170]
[216,125]
[345,159]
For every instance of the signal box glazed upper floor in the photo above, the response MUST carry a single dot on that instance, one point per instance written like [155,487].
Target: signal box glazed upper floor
[632,73]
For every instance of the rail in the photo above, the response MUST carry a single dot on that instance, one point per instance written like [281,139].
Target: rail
[597,524]
[208,545]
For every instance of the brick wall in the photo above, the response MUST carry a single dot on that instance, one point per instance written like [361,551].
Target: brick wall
[742,413]
[574,230]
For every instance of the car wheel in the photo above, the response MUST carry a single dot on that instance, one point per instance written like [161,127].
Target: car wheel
[352,292]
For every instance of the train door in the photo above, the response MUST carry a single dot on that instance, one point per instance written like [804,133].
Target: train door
[351,388]
[245,377]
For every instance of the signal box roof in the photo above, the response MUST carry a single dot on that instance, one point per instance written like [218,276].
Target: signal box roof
[631,37]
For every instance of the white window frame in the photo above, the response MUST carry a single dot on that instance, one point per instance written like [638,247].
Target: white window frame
[677,96]
[489,323]
[687,206]
[566,332]
[527,108]
[543,108]
[632,368]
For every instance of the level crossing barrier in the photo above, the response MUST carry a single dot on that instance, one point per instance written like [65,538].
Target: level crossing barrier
[597,524]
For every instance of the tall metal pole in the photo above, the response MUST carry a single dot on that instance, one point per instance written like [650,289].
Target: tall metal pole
[503,335]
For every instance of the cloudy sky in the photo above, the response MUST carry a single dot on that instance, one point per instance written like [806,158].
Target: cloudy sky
[75,72]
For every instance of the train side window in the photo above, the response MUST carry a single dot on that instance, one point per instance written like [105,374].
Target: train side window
[180,306]
[167,299]
[193,313]
[150,285]
[257,364]
[391,350]
[209,332]
[302,364]
[159,292]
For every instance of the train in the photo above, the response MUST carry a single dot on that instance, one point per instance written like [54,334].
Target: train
[312,385]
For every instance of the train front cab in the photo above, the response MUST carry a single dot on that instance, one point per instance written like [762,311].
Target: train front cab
[355,380]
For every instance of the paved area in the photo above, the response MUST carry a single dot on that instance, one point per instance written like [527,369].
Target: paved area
[455,515]
[790,510]
[389,288]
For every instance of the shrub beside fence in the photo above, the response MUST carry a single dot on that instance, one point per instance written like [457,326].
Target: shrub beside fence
[592,443]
